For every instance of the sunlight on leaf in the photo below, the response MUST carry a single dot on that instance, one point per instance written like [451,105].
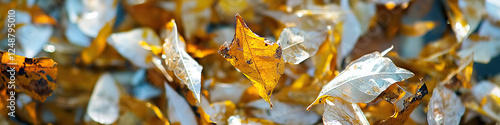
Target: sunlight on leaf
[444,107]
[103,104]
[298,45]
[342,112]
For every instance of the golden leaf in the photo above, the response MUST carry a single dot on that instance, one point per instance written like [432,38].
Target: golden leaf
[343,112]
[409,105]
[98,45]
[35,76]
[259,61]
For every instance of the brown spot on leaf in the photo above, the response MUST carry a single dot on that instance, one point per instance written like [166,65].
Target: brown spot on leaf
[224,52]
[249,61]
[278,53]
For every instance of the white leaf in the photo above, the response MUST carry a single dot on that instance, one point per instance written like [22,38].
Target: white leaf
[354,25]
[103,104]
[493,7]
[484,51]
[127,44]
[183,65]
[283,113]
[91,15]
[76,36]
[228,91]
[486,90]
[33,37]
[298,45]
[444,107]
[340,112]
[364,79]
[179,111]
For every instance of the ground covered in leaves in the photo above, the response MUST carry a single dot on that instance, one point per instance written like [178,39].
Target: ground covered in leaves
[250,62]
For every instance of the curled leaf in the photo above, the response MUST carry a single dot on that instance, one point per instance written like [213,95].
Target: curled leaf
[343,112]
[298,45]
[364,79]
[35,76]
[259,61]
[177,60]
[444,107]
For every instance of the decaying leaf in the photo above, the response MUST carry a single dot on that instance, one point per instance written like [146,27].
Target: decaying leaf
[298,45]
[37,77]
[364,79]
[177,60]
[283,113]
[259,61]
[103,105]
[342,112]
[178,109]
[127,44]
[409,105]
[444,107]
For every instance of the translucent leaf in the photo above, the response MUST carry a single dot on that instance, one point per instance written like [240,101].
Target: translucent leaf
[33,37]
[483,50]
[179,111]
[488,94]
[364,79]
[127,44]
[91,16]
[298,45]
[344,113]
[444,107]
[103,105]
[464,16]
[258,60]
[177,60]
[283,113]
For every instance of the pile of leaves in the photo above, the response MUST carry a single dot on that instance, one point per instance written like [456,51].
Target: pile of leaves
[252,62]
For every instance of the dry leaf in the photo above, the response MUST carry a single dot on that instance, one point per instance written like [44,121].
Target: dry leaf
[340,112]
[103,104]
[35,76]
[488,95]
[178,109]
[91,16]
[98,44]
[444,107]
[364,79]
[259,61]
[177,60]
[32,38]
[483,50]
[409,105]
[127,44]
[464,16]
[283,113]
[298,45]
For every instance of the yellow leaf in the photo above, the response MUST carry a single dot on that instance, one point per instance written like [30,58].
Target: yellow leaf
[409,105]
[36,77]
[98,45]
[259,61]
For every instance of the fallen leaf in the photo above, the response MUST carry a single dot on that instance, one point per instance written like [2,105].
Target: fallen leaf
[35,76]
[259,61]
[444,107]
[177,60]
[283,113]
[409,105]
[178,109]
[142,109]
[342,112]
[488,95]
[32,38]
[98,45]
[237,120]
[483,50]
[464,16]
[364,79]
[127,44]
[298,45]
[103,106]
